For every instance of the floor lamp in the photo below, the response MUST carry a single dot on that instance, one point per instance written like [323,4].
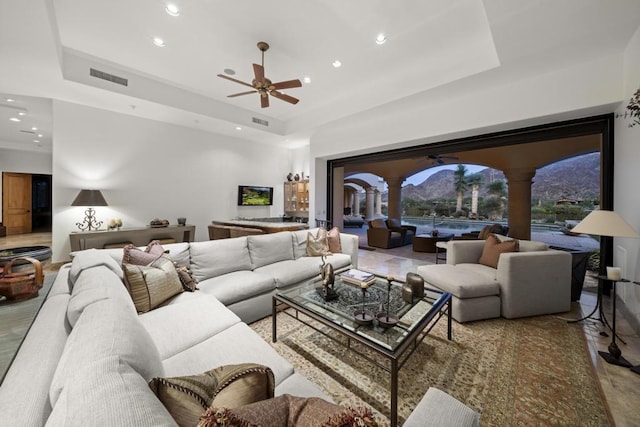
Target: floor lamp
[608,223]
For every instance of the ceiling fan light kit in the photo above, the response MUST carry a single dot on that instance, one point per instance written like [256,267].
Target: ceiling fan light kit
[264,86]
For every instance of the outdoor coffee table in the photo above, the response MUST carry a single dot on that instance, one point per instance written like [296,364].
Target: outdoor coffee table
[395,343]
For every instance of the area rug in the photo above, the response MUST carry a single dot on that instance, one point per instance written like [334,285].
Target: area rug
[525,372]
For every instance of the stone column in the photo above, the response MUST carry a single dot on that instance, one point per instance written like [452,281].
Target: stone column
[378,203]
[369,198]
[394,203]
[356,203]
[519,205]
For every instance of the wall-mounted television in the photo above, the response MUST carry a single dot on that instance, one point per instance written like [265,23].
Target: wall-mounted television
[254,195]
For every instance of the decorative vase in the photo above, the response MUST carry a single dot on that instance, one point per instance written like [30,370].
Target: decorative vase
[290,177]
[416,282]
[297,177]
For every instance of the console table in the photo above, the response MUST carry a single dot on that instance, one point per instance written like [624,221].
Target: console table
[141,236]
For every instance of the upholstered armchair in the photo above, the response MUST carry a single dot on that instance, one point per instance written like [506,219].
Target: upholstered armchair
[380,236]
[407,231]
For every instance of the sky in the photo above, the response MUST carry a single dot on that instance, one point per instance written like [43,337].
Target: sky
[419,178]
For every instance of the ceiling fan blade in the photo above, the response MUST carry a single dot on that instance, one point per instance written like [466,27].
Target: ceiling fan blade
[264,100]
[286,85]
[240,94]
[258,70]
[284,97]
[234,80]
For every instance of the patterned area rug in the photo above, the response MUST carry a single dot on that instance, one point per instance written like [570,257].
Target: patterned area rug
[525,372]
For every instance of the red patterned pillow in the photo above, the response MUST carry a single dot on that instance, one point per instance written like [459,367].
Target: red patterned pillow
[133,255]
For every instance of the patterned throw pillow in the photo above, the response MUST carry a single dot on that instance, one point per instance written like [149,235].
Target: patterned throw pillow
[493,248]
[230,386]
[133,255]
[189,283]
[151,285]
[287,410]
[318,245]
[333,236]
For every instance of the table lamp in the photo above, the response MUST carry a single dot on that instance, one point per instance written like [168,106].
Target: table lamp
[608,223]
[89,198]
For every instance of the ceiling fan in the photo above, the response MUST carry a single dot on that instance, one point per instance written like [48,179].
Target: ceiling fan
[263,86]
[437,159]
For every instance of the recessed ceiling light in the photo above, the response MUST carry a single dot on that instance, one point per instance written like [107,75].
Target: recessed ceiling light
[381,38]
[158,42]
[36,140]
[34,128]
[10,100]
[40,135]
[238,128]
[306,79]
[172,9]
[336,64]
[22,113]
[15,119]
[229,72]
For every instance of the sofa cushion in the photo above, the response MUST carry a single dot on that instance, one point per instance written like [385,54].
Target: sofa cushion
[217,257]
[287,410]
[176,327]
[442,410]
[108,392]
[525,245]
[299,238]
[91,258]
[333,237]
[95,284]
[237,286]
[318,244]
[493,247]
[231,386]
[268,248]
[460,282]
[234,345]
[151,285]
[107,328]
[189,283]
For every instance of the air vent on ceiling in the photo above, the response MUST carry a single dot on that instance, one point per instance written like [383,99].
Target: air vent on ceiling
[260,121]
[108,77]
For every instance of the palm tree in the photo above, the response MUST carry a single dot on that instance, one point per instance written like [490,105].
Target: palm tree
[460,184]
[475,180]
[495,203]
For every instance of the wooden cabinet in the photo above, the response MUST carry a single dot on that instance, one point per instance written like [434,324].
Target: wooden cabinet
[296,198]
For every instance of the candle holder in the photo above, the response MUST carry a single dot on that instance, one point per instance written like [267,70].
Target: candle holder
[386,319]
[363,317]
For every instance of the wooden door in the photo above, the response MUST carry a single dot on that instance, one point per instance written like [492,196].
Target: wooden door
[16,202]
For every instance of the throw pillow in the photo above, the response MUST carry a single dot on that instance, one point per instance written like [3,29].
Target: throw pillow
[394,223]
[333,237]
[151,285]
[230,386]
[189,283]
[318,245]
[287,410]
[133,255]
[493,248]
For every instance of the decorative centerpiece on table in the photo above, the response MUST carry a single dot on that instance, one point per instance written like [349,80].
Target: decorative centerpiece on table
[114,224]
[156,223]
[363,280]
[386,319]
[327,290]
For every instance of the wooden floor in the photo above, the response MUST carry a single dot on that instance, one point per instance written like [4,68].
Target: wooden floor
[620,385]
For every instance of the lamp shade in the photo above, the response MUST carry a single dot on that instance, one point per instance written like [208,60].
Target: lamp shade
[89,198]
[605,223]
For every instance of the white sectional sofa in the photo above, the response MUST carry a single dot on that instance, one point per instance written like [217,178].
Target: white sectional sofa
[89,354]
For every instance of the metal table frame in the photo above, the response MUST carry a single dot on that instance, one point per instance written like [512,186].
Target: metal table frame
[396,358]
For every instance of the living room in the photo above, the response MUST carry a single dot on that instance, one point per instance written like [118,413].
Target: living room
[152,158]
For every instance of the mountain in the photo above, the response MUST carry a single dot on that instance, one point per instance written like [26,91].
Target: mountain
[576,178]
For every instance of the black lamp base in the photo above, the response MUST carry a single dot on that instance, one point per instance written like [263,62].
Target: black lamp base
[620,361]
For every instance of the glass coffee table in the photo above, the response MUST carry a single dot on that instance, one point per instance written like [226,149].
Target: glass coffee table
[394,338]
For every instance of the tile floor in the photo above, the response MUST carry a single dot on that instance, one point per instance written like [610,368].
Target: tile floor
[620,385]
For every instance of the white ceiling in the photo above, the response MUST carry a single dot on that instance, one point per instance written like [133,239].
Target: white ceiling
[49,47]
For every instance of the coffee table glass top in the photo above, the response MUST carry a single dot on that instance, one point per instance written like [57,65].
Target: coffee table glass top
[341,310]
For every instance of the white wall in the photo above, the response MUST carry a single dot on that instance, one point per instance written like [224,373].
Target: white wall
[23,162]
[626,177]
[148,169]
